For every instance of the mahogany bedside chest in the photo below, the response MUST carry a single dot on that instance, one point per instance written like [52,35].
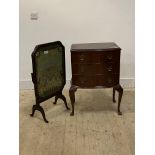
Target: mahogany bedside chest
[95,65]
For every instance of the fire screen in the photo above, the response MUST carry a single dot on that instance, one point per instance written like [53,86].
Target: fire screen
[49,77]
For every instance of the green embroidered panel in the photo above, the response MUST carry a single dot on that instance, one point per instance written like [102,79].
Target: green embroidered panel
[49,71]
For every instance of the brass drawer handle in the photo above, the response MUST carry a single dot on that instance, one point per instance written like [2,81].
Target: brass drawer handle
[109,57]
[109,69]
[81,57]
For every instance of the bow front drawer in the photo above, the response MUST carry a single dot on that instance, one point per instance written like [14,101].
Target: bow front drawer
[111,56]
[81,57]
[83,81]
[107,80]
[95,57]
[95,69]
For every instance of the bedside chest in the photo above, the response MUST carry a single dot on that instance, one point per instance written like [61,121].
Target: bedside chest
[95,65]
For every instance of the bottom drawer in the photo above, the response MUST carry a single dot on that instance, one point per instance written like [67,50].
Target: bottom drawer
[107,81]
[83,81]
[97,80]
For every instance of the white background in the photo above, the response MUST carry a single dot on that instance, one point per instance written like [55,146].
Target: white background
[145,78]
[77,21]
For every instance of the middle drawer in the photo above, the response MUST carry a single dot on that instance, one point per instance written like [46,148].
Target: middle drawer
[95,69]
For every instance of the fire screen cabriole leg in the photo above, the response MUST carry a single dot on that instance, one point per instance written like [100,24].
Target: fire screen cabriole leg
[61,96]
[39,108]
[56,98]
[72,91]
[120,91]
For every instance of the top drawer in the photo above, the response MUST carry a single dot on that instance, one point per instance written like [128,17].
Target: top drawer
[81,57]
[94,56]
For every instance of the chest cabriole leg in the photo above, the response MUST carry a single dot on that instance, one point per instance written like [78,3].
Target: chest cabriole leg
[114,100]
[120,91]
[72,91]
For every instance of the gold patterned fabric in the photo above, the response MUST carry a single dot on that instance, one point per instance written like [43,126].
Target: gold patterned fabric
[49,71]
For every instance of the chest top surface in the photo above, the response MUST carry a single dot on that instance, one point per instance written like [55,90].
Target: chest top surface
[108,46]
